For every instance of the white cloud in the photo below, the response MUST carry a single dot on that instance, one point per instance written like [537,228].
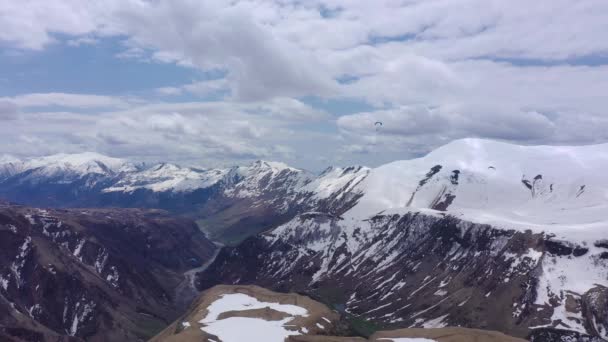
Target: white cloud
[82,41]
[433,70]
[205,88]
[8,110]
[169,91]
[203,133]
[200,88]
[67,100]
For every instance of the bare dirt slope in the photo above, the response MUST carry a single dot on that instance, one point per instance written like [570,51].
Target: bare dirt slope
[446,335]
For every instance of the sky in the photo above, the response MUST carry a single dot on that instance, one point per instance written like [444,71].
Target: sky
[217,83]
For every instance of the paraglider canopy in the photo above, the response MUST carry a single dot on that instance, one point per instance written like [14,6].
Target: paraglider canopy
[378,125]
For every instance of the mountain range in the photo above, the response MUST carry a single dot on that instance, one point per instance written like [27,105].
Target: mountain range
[478,233]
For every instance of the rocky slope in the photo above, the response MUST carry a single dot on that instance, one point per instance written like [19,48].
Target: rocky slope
[250,313]
[92,274]
[477,234]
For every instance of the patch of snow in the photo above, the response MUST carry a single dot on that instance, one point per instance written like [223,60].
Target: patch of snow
[238,329]
[81,315]
[407,339]
[113,277]
[78,249]
[4,282]
[249,329]
[436,322]
[241,302]
[12,228]
[100,261]
[440,293]
[34,310]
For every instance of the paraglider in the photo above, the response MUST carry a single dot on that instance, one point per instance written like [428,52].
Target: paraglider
[378,125]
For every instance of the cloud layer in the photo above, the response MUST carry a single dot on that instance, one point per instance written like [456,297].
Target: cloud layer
[284,73]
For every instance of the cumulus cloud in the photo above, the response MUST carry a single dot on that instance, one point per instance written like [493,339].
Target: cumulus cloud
[202,133]
[169,91]
[8,110]
[67,100]
[432,71]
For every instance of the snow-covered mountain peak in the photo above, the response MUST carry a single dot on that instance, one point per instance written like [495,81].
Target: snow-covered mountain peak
[265,176]
[9,165]
[483,154]
[335,180]
[9,159]
[81,163]
[271,165]
[168,177]
[551,188]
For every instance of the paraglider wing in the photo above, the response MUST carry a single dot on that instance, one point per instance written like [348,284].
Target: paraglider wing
[378,125]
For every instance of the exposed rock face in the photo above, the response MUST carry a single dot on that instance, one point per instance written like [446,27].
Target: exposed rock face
[92,274]
[420,270]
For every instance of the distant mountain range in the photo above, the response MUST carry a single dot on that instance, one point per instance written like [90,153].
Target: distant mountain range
[477,233]
[233,203]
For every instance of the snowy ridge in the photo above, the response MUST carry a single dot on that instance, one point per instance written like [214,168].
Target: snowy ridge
[168,177]
[336,180]
[557,189]
[7,158]
[257,178]
[545,188]
[9,166]
[70,165]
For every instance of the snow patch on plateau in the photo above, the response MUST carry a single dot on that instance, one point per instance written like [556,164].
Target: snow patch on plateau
[241,302]
[249,329]
[407,339]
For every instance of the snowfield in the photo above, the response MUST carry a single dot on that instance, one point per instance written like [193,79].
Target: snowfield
[236,329]
[407,339]
[556,189]
[241,302]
